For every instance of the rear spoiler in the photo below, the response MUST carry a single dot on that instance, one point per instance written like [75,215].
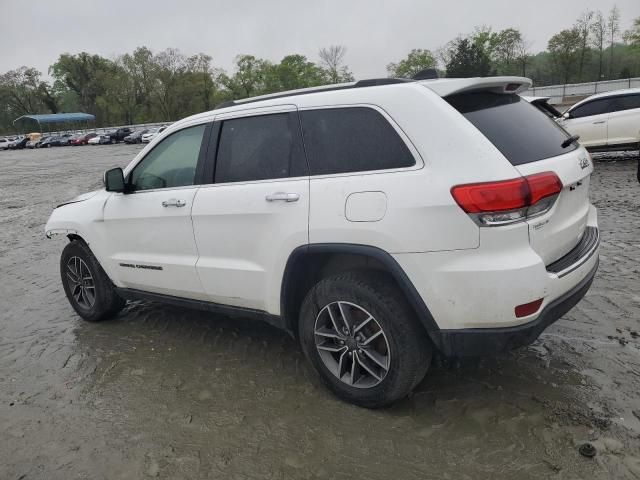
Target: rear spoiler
[452,86]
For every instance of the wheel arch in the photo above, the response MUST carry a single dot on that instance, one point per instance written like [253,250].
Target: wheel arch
[307,264]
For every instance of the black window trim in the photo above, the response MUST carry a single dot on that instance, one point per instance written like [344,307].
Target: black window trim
[200,166]
[419,162]
[209,168]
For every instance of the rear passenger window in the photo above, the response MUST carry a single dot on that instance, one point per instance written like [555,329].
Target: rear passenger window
[627,102]
[259,148]
[354,139]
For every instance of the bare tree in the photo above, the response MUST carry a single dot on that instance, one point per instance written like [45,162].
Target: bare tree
[613,31]
[583,25]
[599,33]
[523,53]
[332,60]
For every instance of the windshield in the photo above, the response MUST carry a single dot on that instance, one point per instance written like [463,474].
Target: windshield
[519,130]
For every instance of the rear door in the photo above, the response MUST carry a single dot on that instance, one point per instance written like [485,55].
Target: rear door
[534,143]
[255,209]
[590,121]
[624,120]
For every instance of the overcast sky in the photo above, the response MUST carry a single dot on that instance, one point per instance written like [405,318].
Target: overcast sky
[375,32]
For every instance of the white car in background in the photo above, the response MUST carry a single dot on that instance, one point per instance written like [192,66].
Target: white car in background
[151,134]
[606,121]
[99,140]
[4,143]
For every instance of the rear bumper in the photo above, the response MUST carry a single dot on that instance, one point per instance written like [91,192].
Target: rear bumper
[486,341]
[471,295]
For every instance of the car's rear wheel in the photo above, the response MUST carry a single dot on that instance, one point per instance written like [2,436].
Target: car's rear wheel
[88,288]
[362,337]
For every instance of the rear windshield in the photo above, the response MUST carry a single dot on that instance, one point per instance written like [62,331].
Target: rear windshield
[519,130]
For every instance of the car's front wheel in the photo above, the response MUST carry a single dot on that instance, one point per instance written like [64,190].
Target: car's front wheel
[362,337]
[88,288]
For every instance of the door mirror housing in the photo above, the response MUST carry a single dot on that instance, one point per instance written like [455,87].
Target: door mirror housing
[114,180]
[566,115]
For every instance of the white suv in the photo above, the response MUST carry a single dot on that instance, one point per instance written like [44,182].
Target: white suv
[606,121]
[376,221]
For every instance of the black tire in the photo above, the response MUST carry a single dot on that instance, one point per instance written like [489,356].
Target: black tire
[409,349]
[106,302]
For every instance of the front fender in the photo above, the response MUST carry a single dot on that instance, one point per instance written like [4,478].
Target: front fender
[76,215]
[84,217]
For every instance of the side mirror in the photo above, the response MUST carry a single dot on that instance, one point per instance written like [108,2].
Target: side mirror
[114,180]
[566,115]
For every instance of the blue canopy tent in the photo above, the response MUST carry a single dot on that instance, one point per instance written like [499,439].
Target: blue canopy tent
[58,118]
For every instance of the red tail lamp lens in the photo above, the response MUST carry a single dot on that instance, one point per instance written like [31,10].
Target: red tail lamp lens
[507,194]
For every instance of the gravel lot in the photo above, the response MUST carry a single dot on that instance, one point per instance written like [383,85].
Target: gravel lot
[168,393]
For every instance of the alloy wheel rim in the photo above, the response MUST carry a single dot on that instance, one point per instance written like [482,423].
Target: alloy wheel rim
[352,344]
[81,283]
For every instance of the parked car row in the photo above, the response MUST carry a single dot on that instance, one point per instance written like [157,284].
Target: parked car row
[38,140]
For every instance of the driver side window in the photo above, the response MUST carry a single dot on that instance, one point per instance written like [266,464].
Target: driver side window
[172,163]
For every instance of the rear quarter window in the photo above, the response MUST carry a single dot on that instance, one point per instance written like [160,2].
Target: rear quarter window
[352,139]
[521,132]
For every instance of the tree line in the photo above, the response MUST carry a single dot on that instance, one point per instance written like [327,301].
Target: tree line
[143,86]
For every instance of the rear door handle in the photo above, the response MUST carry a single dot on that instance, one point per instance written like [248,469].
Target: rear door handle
[601,121]
[283,197]
[174,202]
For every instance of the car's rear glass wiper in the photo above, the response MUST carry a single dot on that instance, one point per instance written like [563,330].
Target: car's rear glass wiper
[570,140]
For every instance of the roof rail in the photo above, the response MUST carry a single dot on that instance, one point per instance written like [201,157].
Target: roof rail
[376,82]
[371,82]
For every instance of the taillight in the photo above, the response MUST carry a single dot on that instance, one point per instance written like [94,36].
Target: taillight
[508,201]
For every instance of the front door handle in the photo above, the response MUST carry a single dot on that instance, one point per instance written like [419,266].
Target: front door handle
[283,197]
[174,202]
[597,123]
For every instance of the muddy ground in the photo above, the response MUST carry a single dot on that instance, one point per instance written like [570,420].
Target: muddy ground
[168,393]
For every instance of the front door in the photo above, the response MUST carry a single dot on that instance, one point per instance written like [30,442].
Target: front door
[589,120]
[255,210]
[150,239]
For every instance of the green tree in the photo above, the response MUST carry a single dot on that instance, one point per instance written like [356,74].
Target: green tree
[204,77]
[507,51]
[418,59]
[249,78]
[85,75]
[468,60]
[293,72]
[564,48]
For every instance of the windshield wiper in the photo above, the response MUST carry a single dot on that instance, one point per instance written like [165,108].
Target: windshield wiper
[570,140]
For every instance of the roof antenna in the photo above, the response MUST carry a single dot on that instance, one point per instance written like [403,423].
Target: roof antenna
[426,74]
